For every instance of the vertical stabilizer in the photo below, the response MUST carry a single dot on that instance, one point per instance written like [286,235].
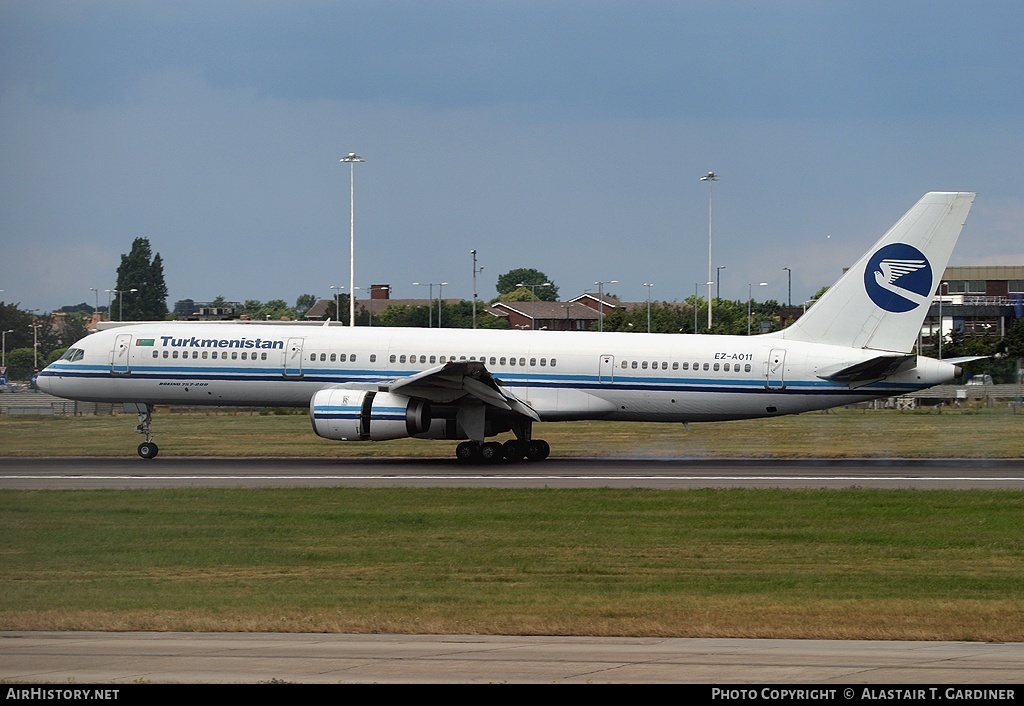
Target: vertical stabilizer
[881,301]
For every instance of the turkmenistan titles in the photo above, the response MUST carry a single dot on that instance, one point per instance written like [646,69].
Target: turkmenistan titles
[196,342]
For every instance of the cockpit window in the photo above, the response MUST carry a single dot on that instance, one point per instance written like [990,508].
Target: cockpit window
[73,354]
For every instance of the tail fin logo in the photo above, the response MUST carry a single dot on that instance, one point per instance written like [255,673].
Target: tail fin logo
[898,278]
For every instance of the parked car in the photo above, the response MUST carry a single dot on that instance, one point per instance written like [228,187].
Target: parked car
[980,380]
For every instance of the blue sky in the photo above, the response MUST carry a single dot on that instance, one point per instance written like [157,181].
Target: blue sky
[565,136]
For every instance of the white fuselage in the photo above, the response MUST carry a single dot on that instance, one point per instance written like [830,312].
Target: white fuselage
[561,375]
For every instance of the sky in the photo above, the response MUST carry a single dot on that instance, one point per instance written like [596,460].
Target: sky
[566,136]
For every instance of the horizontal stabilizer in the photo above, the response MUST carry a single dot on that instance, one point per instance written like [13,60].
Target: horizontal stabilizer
[866,371]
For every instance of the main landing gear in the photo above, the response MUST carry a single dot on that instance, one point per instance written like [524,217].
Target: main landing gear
[495,451]
[147,449]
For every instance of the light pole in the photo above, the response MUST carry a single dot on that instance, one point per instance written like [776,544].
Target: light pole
[789,276]
[431,301]
[440,298]
[337,300]
[35,345]
[648,285]
[97,291]
[120,300]
[750,299]
[600,302]
[941,285]
[352,158]
[533,298]
[718,281]
[475,271]
[10,330]
[710,178]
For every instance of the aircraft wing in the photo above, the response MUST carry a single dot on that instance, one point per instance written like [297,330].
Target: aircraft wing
[448,383]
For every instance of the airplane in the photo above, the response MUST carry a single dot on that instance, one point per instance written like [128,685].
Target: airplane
[376,384]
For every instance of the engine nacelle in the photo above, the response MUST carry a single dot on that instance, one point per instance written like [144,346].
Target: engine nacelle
[364,415]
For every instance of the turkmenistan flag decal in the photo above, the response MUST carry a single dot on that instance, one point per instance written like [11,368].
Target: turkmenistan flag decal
[145,342]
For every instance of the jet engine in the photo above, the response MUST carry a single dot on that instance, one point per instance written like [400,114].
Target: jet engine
[365,415]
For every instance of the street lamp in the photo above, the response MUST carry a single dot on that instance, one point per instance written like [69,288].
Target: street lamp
[120,300]
[789,275]
[97,291]
[648,285]
[533,298]
[941,285]
[710,178]
[10,330]
[440,298]
[750,299]
[600,302]
[337,300]
[475,271]
[35,345]
[431,300]
[718,281]
[352,158]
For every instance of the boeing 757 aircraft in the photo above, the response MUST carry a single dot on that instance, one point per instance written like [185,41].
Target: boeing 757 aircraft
[376,384]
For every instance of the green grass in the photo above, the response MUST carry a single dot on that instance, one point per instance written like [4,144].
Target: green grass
[962,433]
[699,563]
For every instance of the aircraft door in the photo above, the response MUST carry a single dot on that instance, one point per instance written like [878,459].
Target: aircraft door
[293,358]
[606,369]
[775,369]
[120,355]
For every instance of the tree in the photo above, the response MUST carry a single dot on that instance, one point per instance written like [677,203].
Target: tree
[511,280]
[144,273]
[304,302]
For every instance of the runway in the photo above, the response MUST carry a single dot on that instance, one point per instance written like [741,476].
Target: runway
[132,658]
[109,658]
[168,472]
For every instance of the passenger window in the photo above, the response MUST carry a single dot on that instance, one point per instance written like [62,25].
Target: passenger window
[155,354]
[725,367]
[675,366]
[633,365]
[373,358]
[392,358]
[351,358]
[543,362]
[644,365]
[553,361]
[716,367]
[686,366]
[706,366]
[334,357]
[746,368]
[533,362]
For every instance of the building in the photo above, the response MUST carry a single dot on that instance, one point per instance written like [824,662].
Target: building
[982,299]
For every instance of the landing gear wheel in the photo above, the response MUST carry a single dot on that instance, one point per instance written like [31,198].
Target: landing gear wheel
[147,449]
[514,450]
[537,450]
[491,452]
[468,452]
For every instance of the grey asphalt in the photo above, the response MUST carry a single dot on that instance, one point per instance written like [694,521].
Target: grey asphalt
[162,472]
[109,658]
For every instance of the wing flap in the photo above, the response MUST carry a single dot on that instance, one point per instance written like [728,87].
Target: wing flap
[449,382]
